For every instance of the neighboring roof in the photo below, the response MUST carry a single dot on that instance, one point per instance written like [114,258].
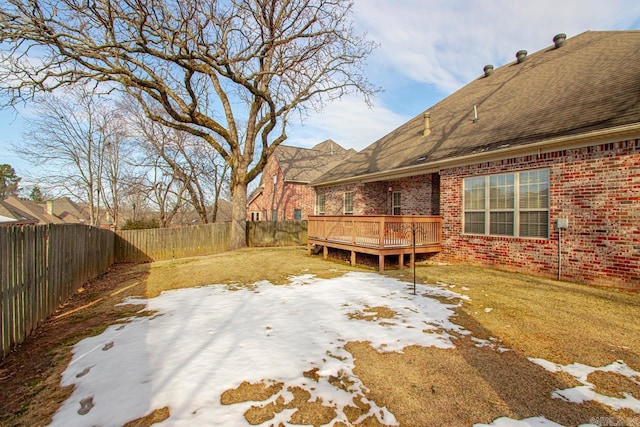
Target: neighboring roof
[590,83]
[10,215]
[29,211]
[68,210]
[303,165]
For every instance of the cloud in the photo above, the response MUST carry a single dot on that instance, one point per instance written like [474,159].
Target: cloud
[447,43]
[349,122]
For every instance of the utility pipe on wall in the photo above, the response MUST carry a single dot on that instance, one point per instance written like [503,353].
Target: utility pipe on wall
[561,224]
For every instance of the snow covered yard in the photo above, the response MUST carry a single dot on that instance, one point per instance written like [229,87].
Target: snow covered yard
[265,355]
[203,342]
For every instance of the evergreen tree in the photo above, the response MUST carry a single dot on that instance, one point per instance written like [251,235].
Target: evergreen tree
[8,181]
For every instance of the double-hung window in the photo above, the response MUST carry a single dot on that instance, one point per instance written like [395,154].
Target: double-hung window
[512,204]
[348,203]
[320,204]
[396,203]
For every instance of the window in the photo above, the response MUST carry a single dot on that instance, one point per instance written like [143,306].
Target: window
[297,214]
[513,204]
[348,203]
[274,215]
[320,204]
[275,182]
[396,203]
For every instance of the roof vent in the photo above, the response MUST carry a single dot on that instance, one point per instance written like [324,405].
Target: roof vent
[521,55]
[488,69]
[427,124]
[559,39]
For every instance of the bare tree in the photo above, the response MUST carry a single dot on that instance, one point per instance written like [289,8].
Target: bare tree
[229,72]
[75,140]
[197,169]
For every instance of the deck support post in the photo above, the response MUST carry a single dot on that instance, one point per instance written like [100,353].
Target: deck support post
[325,252]
[381,262]
[400,261]
[353,258]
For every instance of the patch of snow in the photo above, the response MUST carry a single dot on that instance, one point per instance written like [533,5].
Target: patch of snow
[492,343]
[587,391]
[488,310]
[203,341]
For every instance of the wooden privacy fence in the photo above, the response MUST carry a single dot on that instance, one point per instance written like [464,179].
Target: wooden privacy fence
[41,266]
[169,243]
[276,233]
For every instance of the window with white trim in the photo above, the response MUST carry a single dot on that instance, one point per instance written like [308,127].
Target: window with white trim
[320,204]
[512,204]
[348,203]
[396,207]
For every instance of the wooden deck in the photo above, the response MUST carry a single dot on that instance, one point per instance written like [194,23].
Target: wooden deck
[377,235]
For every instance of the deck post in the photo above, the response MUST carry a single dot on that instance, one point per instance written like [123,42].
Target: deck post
[400,261]
[381,262]
[353,258]
[325,252]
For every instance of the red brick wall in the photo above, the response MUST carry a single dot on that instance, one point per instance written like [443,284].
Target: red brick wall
[286,198]
[418,196]
[596,188]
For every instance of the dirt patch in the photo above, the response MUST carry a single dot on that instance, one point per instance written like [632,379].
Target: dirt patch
[373,314]
[156,416]
[613,384]
[247,391]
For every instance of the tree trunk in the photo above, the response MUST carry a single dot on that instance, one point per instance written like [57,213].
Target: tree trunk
[238,216]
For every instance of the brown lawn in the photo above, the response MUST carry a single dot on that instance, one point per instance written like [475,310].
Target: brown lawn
[475,382]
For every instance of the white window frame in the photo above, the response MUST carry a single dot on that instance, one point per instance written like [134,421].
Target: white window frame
[393,203]
[516,210]
[344,205]
[320,204]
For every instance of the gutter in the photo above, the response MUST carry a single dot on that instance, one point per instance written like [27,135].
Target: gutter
[602,136]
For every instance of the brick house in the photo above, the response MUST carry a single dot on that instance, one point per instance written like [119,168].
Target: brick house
[284,192]
[534,166]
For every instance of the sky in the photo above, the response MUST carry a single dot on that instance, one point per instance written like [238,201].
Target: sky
[197,343]
[427,50]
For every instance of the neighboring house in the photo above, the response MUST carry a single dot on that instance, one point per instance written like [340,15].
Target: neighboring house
[67,210]
[16,211]
[544,147]
[284,192]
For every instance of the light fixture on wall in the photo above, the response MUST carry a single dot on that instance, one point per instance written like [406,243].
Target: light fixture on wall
[390,189]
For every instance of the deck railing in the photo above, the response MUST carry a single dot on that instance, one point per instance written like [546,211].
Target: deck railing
[380,231]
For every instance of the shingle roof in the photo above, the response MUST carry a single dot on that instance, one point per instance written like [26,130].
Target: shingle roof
[303,165]
[12,214]
[590,83]
[30,209]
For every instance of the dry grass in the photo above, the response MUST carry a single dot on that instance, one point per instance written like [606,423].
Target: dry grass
[557,321]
